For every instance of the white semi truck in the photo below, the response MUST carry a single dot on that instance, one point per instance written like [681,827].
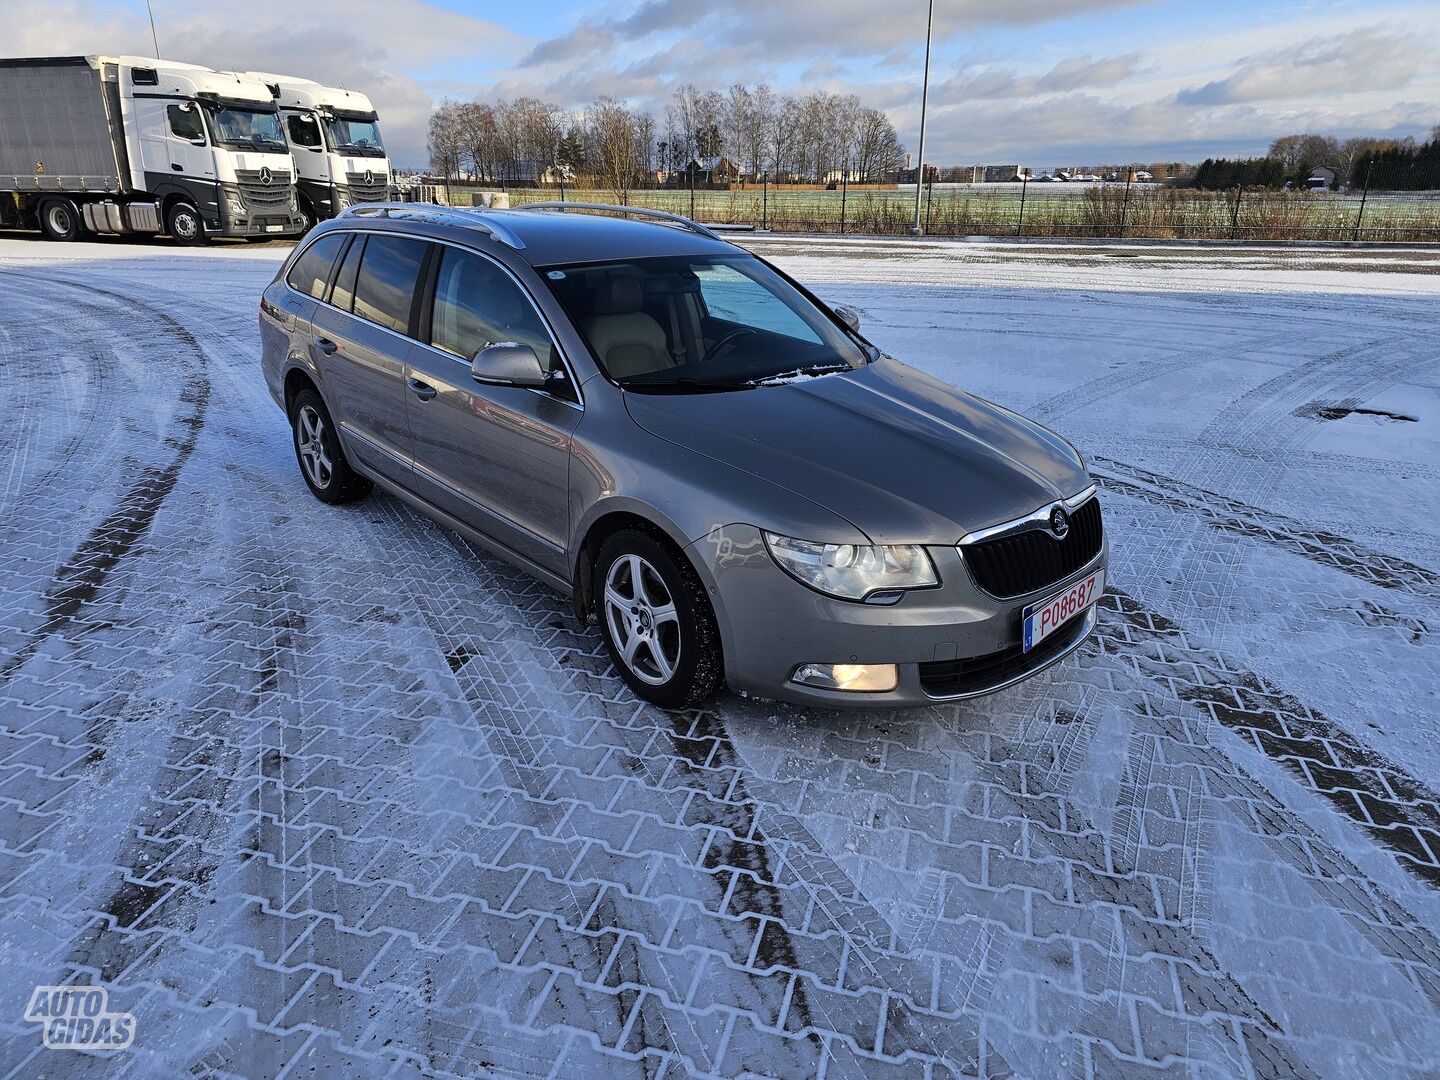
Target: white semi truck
[335,138]
[126,144]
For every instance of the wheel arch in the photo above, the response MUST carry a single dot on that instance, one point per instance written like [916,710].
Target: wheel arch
[604,522]
[297,378]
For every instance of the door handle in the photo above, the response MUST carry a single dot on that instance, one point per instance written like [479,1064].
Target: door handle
[326,346]
[177,168]
[424,391]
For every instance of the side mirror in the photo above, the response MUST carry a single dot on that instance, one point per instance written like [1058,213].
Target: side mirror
[850,317]
[508,363]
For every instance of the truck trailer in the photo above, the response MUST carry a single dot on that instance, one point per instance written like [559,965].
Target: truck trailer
[334,136]
[125,144]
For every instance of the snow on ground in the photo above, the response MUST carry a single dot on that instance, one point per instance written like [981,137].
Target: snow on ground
[326,789]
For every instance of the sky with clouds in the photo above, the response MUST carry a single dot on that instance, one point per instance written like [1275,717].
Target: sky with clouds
[1039,82]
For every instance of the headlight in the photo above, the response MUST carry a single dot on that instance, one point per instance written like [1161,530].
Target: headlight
[853,571]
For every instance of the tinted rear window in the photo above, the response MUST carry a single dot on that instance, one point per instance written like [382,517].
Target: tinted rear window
[311,272]
[386,285]
[342,293]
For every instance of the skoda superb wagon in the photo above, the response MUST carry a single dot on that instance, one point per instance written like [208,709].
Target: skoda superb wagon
[718,467]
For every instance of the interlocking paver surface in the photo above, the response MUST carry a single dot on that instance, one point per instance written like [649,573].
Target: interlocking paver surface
[322,791]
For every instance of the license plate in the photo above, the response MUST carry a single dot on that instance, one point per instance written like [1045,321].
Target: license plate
[1043,619]
[274,228]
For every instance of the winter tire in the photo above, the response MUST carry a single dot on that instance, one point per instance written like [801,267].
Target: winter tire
[317,450]
[657,622]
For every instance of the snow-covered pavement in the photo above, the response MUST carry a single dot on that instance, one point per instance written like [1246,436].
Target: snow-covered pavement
[325,791]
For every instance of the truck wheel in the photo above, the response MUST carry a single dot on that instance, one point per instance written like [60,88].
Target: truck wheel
[184,225]
[59,219]
[307,212]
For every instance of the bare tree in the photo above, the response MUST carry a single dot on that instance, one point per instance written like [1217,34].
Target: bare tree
[612,131]
[444,140]
[809,137]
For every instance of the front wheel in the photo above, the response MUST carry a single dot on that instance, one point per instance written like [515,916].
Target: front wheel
[184,224]
[657,622]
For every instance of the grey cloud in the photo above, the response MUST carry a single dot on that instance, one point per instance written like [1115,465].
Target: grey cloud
[1082,71]
[1370,59]
[776,30]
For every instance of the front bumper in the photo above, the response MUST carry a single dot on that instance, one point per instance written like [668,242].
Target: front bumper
[770,624]
[228,220]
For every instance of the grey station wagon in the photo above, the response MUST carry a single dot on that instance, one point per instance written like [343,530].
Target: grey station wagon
[716,465]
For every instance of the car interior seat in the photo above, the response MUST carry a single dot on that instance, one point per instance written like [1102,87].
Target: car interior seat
[628,341]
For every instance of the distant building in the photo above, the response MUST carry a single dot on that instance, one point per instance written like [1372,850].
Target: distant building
[932,175]
[1322,178]
[713,170]
[989,174]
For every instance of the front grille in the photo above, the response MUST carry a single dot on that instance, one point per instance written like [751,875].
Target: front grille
[259,197]
[377,189]
[951,678]
[1026,562]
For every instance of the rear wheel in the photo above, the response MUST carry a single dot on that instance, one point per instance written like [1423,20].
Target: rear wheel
[317,449]
[184,224]
[657,622]
[60,219]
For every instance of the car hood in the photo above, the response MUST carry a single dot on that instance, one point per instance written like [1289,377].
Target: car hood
[903,456]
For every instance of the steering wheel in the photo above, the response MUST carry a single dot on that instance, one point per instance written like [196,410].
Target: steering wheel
[726,342]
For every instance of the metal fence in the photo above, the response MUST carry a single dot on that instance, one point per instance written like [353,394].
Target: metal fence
[1406,208]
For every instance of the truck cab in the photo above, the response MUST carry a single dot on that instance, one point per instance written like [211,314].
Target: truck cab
[209,147]
[334,136]
[115,145]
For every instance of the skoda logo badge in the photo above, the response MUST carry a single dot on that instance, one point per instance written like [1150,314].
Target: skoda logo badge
[1059,522]
[265,175]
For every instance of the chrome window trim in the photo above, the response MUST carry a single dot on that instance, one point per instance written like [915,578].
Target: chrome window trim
[529,297]
[1039,519]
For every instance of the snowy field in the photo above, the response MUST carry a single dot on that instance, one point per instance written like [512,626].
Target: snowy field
[325,792]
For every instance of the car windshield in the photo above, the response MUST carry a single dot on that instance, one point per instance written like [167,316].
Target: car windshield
[359,137]
[248,128]
[696,324]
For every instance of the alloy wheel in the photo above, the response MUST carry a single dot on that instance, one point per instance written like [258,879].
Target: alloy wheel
[309,441]
[643,622]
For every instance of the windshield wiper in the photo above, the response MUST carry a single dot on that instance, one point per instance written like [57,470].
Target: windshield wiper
[780,378]
[686,385]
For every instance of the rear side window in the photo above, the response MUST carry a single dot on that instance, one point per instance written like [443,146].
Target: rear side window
[144,77]
[343,294]
[385,287]
[185,122]
[311,272]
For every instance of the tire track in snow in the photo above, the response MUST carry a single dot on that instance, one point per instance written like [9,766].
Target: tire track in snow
[79,581]
[1294,537]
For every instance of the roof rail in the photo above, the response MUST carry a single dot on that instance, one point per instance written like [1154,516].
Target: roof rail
[637,211]
[464,217]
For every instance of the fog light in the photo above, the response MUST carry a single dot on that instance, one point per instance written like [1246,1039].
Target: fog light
[860,678]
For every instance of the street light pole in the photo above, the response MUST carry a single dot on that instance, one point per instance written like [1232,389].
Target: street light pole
[924,99]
